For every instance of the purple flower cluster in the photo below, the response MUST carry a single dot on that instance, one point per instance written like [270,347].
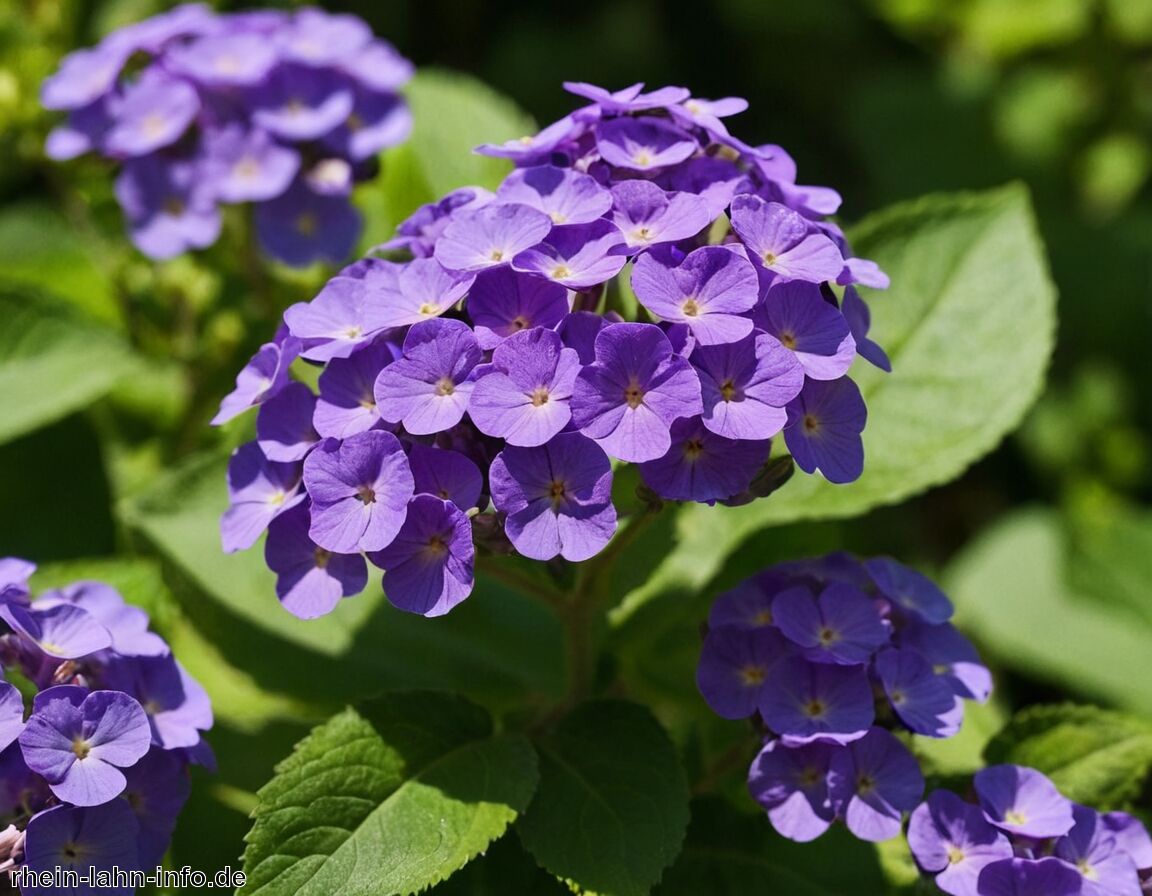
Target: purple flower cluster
[284,110]
[98,724]
[1023,838]
[488,360]
[831,655]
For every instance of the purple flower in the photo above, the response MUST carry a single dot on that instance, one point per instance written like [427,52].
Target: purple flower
[922,699]
[628,399]
[249,166]
[694,112]
[791,783]
[1107,869]
[859,320]
[503,302]
[422,289]
[225,59]
[702,466]
[490,236]
[360,490]
[873,781]
[823,431]
[630,99]
[428,568]
[1132,837]
[428,388]
[579,330]
[11,714]
[310,581]
[449,475]
[62,631]
[284,428]
[152,114]
[532,149]
[259,490]
[784,242]
[523,397]
[79,740]
[419,232]
[557,497]
[126,625]
[302,103]
[748,605]
[177,707]
[14,576]
[576,255]
[347,401]
[952,840]
[910,590]
[378,120]
[796,313]
[83,838]
[84,77]
[302,226]
[564,195]
[952,657]
[841,626]
[170,206]
[262,377]
[709,291]
[342,318]
[157,789]
[644,144]
[1023,802]
[746,386]
[647,215]
[1029,877]
[818,701]
[736,667]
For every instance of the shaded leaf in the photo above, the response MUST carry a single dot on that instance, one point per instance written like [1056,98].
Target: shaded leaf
[1095,756]
[612,806]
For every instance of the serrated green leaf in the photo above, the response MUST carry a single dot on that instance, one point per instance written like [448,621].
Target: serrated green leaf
[612,806]
[499,644]
[969,325]
[52,362]
[1095,756]
[727,853]
[1013,593]
[388,800]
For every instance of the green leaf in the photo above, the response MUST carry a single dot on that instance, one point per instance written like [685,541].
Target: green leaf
[727,853]
[612,806]
[39,248]
[52,362]
[452,114]
[1013,592]
[969,325]
[499,644]
[389,800]
[1095,756]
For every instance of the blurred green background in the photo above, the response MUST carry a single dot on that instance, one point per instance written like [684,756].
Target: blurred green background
[1046,544]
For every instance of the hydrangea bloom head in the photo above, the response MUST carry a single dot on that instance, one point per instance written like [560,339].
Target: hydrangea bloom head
[641,288]
[829,659]
[202,109]
[1024,837]
[99,737]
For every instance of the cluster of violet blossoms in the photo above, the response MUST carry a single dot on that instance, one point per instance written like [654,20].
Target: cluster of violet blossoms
[284,110]
[98,725]
[486,362]
[830,656]
[1024,838]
